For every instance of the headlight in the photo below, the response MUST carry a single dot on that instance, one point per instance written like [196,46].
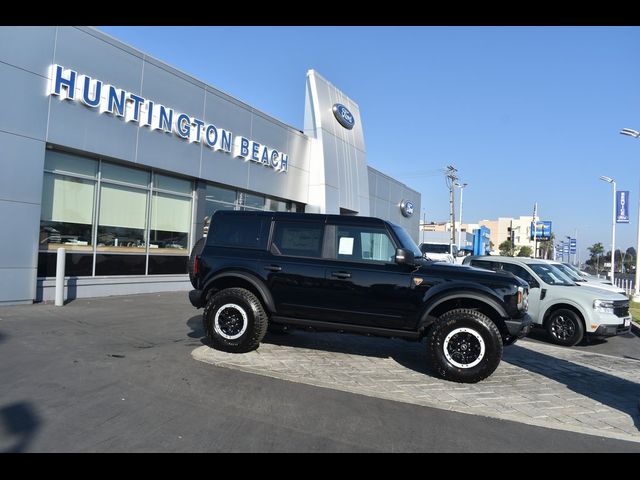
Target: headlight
[522,299]
[603,306]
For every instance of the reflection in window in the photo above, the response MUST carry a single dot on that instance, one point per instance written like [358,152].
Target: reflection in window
[122,219]
[276,205]
[67,212]
[251,202]
[364,244]
[170,221]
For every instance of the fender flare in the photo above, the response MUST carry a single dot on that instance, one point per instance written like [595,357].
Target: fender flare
[467,294]
[256,282]
[585,316]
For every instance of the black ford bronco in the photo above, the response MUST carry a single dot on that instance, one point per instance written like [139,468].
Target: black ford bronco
[256,270]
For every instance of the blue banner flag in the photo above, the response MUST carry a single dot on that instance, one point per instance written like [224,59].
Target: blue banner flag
[622,206]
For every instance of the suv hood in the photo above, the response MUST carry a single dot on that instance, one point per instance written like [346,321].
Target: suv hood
[601,293]
[466,273]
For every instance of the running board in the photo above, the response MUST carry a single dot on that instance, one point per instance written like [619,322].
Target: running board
[346,327]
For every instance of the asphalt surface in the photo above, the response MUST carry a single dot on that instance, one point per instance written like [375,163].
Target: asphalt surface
[116,375]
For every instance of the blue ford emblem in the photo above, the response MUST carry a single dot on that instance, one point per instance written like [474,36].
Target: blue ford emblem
[406,207]
[344,116]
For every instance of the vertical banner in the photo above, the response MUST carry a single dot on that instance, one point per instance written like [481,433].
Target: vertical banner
[622,206]
[572,246]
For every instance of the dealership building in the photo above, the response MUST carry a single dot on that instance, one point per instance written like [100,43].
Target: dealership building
[118,157]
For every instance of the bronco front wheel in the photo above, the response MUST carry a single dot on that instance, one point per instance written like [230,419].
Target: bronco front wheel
[465,346]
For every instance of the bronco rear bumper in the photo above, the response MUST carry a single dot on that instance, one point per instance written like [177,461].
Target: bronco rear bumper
[195,297]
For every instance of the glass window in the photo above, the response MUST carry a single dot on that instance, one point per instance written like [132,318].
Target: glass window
[551,275]
[125,174]
[486,265]
[167,264]
[298,239]
[65,163]
[173,184]
[122,219]
[67,212]
[120,264]
[244,231]
[276,205]
[518,271]
[220,194]
[76,264]
[213,207]
[170,222]
[251,202]
[358,244]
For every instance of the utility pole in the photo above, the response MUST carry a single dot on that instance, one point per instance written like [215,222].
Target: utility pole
[535,230]
[452,178]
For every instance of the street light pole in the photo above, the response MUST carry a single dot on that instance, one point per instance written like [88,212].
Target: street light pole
[460,222]
[636,284]
[613,227]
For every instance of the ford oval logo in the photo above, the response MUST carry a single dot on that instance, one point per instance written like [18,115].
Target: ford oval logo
[344,116]
[406,207]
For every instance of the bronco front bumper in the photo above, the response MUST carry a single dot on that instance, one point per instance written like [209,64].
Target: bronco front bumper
[521,327]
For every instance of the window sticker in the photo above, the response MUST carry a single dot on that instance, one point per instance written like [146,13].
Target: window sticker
[346,246]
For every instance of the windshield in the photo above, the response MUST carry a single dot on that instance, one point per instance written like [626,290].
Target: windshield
[406,241]
[434,248]
[551,275]
[573,268]
[569,272]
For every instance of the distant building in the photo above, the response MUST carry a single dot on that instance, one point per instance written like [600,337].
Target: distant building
[500,231]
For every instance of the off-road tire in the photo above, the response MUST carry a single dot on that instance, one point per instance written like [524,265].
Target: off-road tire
[235,320]
[196,250]
[565,327]
[464,346]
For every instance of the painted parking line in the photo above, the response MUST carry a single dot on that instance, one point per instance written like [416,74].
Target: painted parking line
[535,383]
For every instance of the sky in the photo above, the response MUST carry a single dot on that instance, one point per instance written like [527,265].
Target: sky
[526,114]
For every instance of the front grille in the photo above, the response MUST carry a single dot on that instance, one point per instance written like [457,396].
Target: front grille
[621,308]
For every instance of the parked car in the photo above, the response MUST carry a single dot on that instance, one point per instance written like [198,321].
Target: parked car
[566,310]
[594,279]
[353,274]
[587,280]
[439,252]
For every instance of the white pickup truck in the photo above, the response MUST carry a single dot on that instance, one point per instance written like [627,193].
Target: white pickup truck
[439,252]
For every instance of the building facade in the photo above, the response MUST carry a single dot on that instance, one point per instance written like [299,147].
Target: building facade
[118,157]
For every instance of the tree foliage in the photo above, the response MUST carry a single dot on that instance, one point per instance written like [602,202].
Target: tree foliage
[525,251]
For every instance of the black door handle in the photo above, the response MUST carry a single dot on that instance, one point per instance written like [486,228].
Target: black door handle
[273,268]
[341,274]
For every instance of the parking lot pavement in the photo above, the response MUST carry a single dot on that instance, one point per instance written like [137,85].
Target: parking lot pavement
[537,384]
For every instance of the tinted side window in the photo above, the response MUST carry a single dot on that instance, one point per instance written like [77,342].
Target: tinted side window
[486,265]
[518,271]
[364,244]
[240,231]
[297,239]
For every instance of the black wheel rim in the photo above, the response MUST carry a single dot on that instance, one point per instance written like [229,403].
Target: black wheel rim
[562,327]
[464,348]
[230,321]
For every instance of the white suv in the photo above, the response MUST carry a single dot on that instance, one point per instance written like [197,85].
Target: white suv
[567,311]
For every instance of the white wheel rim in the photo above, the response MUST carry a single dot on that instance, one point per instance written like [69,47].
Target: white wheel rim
[461,344]
[225,312]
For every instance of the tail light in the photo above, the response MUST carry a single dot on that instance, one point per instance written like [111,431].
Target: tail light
[196,266]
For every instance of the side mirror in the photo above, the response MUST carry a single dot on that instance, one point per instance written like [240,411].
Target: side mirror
[460,253]
[533,284]
[405,257]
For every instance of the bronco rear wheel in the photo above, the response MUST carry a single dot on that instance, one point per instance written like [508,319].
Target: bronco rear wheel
[235,320]
[464,346]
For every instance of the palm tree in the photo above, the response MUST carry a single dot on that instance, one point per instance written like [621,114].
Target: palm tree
[596,250]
